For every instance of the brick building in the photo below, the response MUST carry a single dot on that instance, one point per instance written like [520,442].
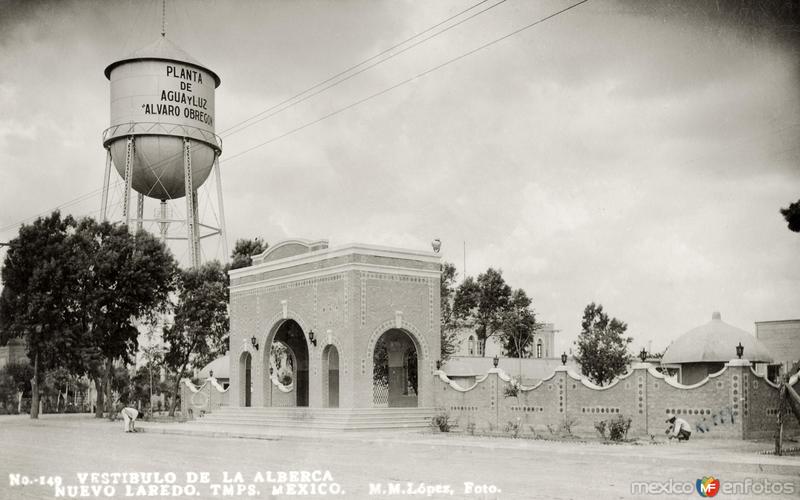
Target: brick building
[782,338]
[330,314]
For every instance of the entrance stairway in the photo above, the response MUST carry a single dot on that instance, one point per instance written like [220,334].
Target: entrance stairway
[323,419]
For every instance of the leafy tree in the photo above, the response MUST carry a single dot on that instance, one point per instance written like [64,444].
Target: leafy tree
[792,216]
[449,325]
[15,379]
[199,333]
[602,349]
[482,302]
[123,281]
[518,326]
[36,297]
[243,251]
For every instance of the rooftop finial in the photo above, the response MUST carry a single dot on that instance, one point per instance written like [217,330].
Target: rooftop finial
[163,18]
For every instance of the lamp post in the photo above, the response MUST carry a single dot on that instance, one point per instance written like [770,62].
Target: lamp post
[254,342]
[312,338]
[210,373]
[643,355]
[495,361]
[739,350]
[564,358]
[438,364]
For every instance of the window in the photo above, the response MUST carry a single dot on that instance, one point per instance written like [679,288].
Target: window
[539,348]
[471,345]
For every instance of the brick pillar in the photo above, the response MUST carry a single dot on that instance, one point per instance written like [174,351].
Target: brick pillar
[739,377]
[639,426]
[561,380]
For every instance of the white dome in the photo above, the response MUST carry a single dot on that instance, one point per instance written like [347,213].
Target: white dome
[715,342]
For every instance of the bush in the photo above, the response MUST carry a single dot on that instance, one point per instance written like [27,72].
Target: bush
[441,422]
[618,428]
[512,389]
[513,428]
[601,428]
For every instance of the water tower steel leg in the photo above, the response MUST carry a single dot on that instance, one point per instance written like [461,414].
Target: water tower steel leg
[106,181]
[196,219]
[163,224]
[223,232]
[126,200]
[191,221]
[139,212]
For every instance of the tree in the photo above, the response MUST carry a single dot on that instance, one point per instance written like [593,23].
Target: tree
[35,301]
[792,216]
[123,281]
[449,325]
[518,326]
[243,251]
[199,333]
[482,302]
[602,349]
[15,378]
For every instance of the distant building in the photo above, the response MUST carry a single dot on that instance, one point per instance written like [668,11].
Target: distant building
[704,350]
[219,368]
[543,345]
[782,338]
[13,352]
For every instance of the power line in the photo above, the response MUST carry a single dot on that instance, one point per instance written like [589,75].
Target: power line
[230,130]
[365,61]
[406,81]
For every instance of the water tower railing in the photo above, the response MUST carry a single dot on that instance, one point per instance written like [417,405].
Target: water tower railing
[158,128]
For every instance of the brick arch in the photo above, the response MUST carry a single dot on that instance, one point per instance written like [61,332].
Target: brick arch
[266,337]
[423,351]
[339,347]
[416,336]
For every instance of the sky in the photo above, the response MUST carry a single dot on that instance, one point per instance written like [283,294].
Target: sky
[619,153]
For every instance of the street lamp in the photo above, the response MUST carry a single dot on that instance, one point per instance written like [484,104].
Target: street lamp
[564,358]
[311,337]
[643,355]
[210,373]
[438,364]
[495,361]
[254,341]
[739,350]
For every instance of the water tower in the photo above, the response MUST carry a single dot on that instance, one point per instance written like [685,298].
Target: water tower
[161,139]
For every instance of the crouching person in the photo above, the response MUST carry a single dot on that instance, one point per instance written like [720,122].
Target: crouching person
[678,428]
[129,416]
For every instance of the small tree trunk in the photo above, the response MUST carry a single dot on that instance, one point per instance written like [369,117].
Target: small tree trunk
[174,401]
[98,407]
[35,388]
[109,400]
[19,402]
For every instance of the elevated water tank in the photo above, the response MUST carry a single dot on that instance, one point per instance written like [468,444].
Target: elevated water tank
[160,96]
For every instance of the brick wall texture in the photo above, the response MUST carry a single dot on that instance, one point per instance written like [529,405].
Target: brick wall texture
[733,403]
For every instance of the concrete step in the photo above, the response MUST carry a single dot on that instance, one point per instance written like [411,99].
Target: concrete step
[318,418]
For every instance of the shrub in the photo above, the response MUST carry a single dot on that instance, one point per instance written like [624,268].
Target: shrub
[512,389]
[601,428]
[513,428]
[441,422]
[618,428]
[567,426]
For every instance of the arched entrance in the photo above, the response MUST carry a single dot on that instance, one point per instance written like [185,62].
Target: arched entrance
[395,372]
[330,376]
[293,370]
[245,378]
